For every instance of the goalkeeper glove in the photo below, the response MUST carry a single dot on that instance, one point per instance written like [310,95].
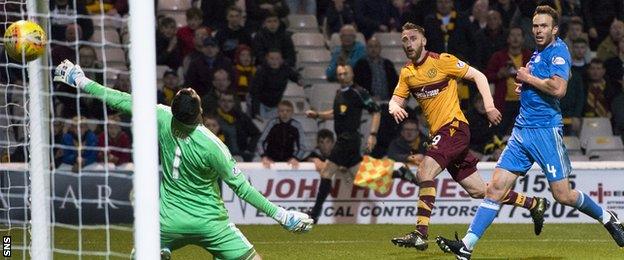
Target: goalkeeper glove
[293,221]
[70,74]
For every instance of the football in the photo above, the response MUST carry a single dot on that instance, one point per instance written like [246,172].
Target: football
[24,39]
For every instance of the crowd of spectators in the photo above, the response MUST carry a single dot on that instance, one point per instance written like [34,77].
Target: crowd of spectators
[239,56]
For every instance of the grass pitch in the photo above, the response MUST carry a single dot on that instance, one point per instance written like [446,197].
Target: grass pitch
[501,241]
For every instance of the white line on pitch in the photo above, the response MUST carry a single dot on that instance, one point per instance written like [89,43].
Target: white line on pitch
[482,241]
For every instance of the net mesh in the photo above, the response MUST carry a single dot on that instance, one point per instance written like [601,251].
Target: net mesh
[90,145]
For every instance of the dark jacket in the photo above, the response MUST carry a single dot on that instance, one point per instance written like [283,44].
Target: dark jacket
[244,131]
[370,14]
[201,70]
[281,141]
[399,149]
[488,42]
[255,14]
[460,42]
[172,59]
[336,19]
[614,68]
[269,84]
[573,102]
[364,77]
[215,11]
[229,40]
[264,40]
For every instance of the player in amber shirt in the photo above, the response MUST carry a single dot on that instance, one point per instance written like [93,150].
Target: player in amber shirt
[432,79]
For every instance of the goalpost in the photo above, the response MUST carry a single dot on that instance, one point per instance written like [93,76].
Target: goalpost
[35,192]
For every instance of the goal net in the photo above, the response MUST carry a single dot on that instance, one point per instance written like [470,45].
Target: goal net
[69,147]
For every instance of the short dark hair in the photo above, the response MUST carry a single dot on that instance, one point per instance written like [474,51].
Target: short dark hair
[166,21]
[596,61]
[342,62]
[579,40]
[273,49]
[194,12]
[186,106]
[514,27]
[409,121]
[228,92]
[411,26]
[235,8]
[545,9]
[286,103]
[324,133]
[211,116]
[575,22]
[269,14]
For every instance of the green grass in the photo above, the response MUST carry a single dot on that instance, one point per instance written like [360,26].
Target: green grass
[502,241]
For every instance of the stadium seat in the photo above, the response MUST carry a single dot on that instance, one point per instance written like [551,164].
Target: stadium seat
[295,94]
[310,139]
[109,34]
[303,23]
[309,125]
[176,5]
[125,38]
[318,57]
[603,146]
[111,75]
[327,124]
[573,145]
[314,74]
[160,71]
[390,39]
[579,158]
[108,21]
[294,90]
[308,40]
[609,157]
[334,41]
[396,55]
[322,96]
[594,126]
[113,57]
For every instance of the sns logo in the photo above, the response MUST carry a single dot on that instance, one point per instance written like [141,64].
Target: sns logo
[6,246]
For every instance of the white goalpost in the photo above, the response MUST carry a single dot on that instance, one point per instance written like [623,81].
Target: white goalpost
[39,165]
[143,71]
[52,211]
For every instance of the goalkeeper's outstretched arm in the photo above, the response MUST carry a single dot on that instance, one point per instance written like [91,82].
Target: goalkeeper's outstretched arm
[72,75]
[226,166]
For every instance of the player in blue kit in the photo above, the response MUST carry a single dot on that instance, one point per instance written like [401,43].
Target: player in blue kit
[536,137]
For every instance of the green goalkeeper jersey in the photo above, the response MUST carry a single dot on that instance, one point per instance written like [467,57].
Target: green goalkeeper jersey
[192,160]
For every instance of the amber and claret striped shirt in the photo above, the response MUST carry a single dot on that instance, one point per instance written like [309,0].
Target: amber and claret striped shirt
[433,82]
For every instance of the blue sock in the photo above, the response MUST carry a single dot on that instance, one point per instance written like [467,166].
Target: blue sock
[588,206]
[485,216]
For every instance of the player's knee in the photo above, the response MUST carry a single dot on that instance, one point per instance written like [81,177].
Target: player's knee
[426,172]
[494,192]
[565,197]
[477,194]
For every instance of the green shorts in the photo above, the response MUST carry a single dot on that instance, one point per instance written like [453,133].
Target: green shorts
[226,243]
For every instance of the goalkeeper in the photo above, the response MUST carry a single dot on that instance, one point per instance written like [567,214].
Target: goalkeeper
[191,209]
